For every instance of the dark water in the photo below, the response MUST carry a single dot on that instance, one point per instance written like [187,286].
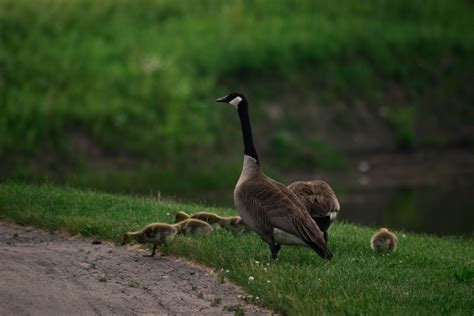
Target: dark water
[448,211]
[432,210]
[424,193]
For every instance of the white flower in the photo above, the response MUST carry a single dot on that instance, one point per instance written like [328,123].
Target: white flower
[251,278]
[268,281]
[227,271]
[257,298]
[257,262]
[264,269]
[168,213]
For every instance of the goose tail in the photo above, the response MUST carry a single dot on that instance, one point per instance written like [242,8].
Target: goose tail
[320,249]
[308,232]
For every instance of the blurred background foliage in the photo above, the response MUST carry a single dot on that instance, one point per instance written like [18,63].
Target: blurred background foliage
[119,95]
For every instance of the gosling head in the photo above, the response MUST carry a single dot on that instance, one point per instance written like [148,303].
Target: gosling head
[236,99]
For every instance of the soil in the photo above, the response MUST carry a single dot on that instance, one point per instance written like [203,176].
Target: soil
[53,274]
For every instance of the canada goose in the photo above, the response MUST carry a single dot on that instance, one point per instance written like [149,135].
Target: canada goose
[161,234]
[320,201]
[383,240]
[266,205]
[231,223]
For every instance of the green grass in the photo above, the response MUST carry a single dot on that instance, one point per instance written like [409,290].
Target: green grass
[138,79]
[427,275]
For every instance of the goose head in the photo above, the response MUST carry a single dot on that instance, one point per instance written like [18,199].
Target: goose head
[238,100]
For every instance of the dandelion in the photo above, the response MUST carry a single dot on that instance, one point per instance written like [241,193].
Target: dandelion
[404,236]
[251,278]
[168,213]
[268,281]
[257,298]
[264,269]
[227,271]
[257,262]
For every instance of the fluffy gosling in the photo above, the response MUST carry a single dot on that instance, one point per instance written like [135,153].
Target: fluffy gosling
[383,240]
[192,226]
[231,223]
[156,234]
[161,234]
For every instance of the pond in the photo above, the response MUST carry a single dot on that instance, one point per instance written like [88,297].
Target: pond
[417,192]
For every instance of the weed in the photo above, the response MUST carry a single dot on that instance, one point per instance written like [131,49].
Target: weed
[466,275]
[102,278]
[216,301]
[238,311]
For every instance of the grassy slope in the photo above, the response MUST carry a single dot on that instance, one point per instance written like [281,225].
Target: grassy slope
[427,275]
[138,79]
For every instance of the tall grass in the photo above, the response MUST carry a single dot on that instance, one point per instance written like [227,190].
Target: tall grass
[137,79]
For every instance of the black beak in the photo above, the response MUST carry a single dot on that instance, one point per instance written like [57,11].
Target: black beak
[223,99]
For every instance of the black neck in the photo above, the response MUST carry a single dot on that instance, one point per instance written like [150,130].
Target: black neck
[249,148]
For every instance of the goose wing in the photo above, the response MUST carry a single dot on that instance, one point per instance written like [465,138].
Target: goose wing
[317,197]
[275,206]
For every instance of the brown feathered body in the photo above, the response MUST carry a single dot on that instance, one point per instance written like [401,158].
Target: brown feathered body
[231,223]
[319,200]
[384,240]
[267,206]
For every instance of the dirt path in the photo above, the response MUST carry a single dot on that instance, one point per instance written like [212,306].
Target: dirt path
[49,274]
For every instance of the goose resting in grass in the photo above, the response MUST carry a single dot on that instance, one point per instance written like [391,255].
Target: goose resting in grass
[231,223]
[161,234]
[320,201]
[266,206]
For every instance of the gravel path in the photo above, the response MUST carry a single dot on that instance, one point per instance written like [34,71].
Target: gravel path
[51,274]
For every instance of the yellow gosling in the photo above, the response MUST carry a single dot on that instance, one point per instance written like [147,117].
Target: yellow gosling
[383,240]
[231,223]
[155,234]
[193,226]
[161,234]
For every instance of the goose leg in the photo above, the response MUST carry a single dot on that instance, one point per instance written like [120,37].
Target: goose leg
[325,236]
[152,252]
[274,248]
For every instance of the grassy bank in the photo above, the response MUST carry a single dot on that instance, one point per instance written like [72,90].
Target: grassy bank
[87,84]
[428,275]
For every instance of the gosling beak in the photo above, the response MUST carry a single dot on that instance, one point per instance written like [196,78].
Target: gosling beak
[223,99]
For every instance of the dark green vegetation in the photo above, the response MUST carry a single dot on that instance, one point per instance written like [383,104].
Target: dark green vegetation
[109,93]
[427,275]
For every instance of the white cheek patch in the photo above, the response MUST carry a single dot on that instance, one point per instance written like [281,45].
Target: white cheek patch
[236,101]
